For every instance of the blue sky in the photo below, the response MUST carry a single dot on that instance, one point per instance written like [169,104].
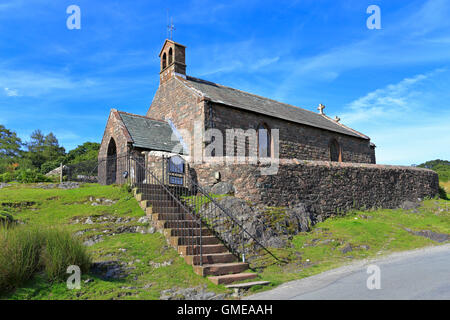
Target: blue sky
[392,84]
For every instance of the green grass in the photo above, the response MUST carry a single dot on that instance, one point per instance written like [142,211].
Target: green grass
[27,250]
[59,208]
[307,253]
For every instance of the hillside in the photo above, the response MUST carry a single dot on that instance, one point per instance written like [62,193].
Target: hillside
[132,261]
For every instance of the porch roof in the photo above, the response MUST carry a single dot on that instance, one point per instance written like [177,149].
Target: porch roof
[148,133]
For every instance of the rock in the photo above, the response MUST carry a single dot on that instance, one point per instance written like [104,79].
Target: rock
[438,237]
[409,205]
[144,219]
[222,188]
[347,248]
[108,269]
[3,185]
[196,293]
[303,216]
[89,221]
[88,280]
[157,265]
[364,247]
[93,240]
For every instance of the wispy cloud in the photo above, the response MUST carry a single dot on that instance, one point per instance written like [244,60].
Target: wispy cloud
[409,121]
[414,37]
[11,92]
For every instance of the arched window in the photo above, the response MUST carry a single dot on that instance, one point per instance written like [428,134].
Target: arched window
[335,151]
[170,56]
[264,143]
[164,61]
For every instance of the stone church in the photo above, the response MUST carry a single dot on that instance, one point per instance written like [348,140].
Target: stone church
[182,100]
[319,157]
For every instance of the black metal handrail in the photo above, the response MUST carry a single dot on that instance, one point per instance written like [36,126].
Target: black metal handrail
[232,217]
[193,206]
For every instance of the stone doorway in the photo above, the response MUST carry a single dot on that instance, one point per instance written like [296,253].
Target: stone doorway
[111,163]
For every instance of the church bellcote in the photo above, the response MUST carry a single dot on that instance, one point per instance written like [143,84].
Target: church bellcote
[173,60]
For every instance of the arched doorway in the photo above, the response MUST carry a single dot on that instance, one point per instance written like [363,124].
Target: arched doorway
[335,151]
[111,162]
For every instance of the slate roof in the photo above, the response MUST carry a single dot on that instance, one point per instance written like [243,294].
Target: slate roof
[250,102]
[148,133]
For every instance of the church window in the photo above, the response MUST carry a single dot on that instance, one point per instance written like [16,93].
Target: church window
[164,61]
[335,151]
[170,56]
[264,143]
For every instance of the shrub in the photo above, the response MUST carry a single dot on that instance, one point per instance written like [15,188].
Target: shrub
[30,176]
[6,219]
[7,177]
[443,193]
[27,250]
[60,251]
[24,176]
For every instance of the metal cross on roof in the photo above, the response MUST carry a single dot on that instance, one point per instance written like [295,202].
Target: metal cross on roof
[170,29]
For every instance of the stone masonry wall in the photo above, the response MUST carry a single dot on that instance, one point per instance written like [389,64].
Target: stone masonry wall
[108,168]
[174,101]
[327,188]
[296,140]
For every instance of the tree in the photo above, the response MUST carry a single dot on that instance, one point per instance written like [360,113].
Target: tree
[10,143]
[42,149]
[10,147]
[84,152]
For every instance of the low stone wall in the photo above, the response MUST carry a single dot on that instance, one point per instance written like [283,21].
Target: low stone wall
[327,188]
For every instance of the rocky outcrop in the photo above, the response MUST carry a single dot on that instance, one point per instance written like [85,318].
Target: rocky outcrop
[267,226]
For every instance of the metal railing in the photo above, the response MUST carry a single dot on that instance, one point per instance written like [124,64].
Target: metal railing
[191,216]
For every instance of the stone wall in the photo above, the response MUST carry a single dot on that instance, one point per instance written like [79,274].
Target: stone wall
[174,101]
[296,140]
[327,188]
[110,170]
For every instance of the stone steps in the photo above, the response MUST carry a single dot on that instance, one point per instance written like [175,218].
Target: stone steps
[187,232]
[230,278]
[211,258]
[218,269]
[205,249]
[182,231]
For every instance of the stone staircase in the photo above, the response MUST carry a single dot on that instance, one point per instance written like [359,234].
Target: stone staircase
[183,233]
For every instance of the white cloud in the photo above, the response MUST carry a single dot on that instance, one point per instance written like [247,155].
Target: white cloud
[33,84]
[11,92]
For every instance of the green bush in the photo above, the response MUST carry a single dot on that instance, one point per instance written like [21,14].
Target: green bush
[31,176]
[443,194]
[60,251]
[24,176]
[6,219]
[27,250]
[7,177]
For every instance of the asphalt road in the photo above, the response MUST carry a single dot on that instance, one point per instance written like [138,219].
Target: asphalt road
[419,274]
